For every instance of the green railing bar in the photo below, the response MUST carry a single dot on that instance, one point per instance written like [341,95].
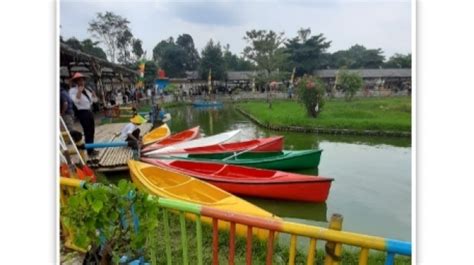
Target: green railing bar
[180,205]
[184,241]
[167,236]
[199,239]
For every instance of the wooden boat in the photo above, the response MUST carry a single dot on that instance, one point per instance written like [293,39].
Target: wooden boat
[156,134]
[183,136]
[167,183]
[253,182]
[285,160]
[226,137]
[270,144]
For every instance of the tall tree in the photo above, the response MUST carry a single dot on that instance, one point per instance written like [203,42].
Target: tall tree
[192,56]
[399,61]
[87,46]
[74,43]
[307,53]
[108,28]
[124,44]
[264,48]
[212,58]
[173,61]
[137,49]
[357,57]
[235,63]
[170,57]
[150,72]
[160,48]
[90,47]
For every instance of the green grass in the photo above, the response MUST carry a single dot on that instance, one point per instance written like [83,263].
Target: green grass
[379,114]
[280,254]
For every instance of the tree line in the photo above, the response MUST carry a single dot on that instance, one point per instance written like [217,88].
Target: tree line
[266,51]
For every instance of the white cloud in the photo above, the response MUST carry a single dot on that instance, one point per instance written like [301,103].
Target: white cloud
[374,24]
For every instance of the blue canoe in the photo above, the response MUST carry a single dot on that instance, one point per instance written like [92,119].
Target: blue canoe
[207,103]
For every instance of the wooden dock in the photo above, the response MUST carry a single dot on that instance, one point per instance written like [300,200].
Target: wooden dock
[114,159]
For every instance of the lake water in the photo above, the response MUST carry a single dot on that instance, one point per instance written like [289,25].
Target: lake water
[372,187]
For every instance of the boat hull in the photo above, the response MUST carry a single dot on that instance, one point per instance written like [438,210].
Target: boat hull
[156,134]
[270,144]
[227,137]
[169,184]
[180,137]
[308,192]
[285,160]
[253,182]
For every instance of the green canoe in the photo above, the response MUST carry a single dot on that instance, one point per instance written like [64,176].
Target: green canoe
[285,160]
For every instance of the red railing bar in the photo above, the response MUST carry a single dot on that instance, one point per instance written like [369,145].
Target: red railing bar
[248,254]
[270,224]
[232,244]
[215,243]
[270,247]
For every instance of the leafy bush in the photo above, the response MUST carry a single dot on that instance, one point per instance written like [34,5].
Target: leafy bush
[311,93]
[349,82]
[101,218]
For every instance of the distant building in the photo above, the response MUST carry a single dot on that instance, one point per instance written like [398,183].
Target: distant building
[390,79]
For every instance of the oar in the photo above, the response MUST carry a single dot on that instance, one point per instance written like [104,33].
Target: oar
[247,150]
[87,170]
[105,144]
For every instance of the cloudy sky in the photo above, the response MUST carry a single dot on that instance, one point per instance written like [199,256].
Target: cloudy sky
[382,24]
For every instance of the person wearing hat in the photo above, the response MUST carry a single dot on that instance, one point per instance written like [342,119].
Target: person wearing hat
[83,99]
[131,133]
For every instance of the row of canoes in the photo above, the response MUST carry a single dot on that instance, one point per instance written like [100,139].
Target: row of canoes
[215,170]
[239,166]
[226,148]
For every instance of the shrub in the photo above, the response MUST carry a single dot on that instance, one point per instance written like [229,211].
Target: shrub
[311,93]
[349,82]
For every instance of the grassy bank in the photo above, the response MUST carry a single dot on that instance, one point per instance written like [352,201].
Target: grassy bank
[378,114]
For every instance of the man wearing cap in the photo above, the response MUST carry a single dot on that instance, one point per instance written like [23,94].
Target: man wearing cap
[83,99]
[131,133]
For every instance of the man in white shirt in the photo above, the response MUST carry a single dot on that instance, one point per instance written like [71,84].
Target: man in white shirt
[131,133]
[83,99]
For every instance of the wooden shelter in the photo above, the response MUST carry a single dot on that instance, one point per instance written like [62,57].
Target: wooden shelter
[104,74]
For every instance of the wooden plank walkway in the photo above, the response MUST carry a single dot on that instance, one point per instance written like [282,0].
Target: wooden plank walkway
[114,159]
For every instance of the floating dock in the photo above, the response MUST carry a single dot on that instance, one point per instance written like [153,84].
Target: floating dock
[115,158]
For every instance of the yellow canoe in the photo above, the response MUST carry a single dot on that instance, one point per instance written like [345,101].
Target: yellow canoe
[168,184]
[156,134]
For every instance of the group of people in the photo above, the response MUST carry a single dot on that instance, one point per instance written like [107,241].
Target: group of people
[77,100]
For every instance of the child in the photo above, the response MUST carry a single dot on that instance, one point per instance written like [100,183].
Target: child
[131,133]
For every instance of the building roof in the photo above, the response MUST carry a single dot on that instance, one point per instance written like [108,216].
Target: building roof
[368,73]
[77,55]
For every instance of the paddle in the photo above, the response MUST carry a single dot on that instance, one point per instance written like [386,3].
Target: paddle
[247,150]
[87,171]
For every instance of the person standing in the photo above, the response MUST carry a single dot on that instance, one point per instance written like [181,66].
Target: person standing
[83,99]
[66,107]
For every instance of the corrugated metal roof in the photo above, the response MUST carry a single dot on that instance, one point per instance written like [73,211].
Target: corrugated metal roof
[368,73]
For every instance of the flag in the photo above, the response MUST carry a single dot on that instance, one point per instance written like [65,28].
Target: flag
[209,81]
[293,75]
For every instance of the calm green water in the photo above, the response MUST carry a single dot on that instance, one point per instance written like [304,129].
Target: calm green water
[372,187]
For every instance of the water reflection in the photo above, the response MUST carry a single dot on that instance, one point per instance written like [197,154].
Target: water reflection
[291,209]
[372,186]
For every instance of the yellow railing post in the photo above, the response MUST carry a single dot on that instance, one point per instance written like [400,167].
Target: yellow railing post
[334,250]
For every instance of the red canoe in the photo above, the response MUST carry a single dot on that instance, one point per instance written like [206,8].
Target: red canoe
[270,144]
[253,182]
[186,135]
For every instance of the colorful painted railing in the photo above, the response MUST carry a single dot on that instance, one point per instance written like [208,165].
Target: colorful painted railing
[334,238]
